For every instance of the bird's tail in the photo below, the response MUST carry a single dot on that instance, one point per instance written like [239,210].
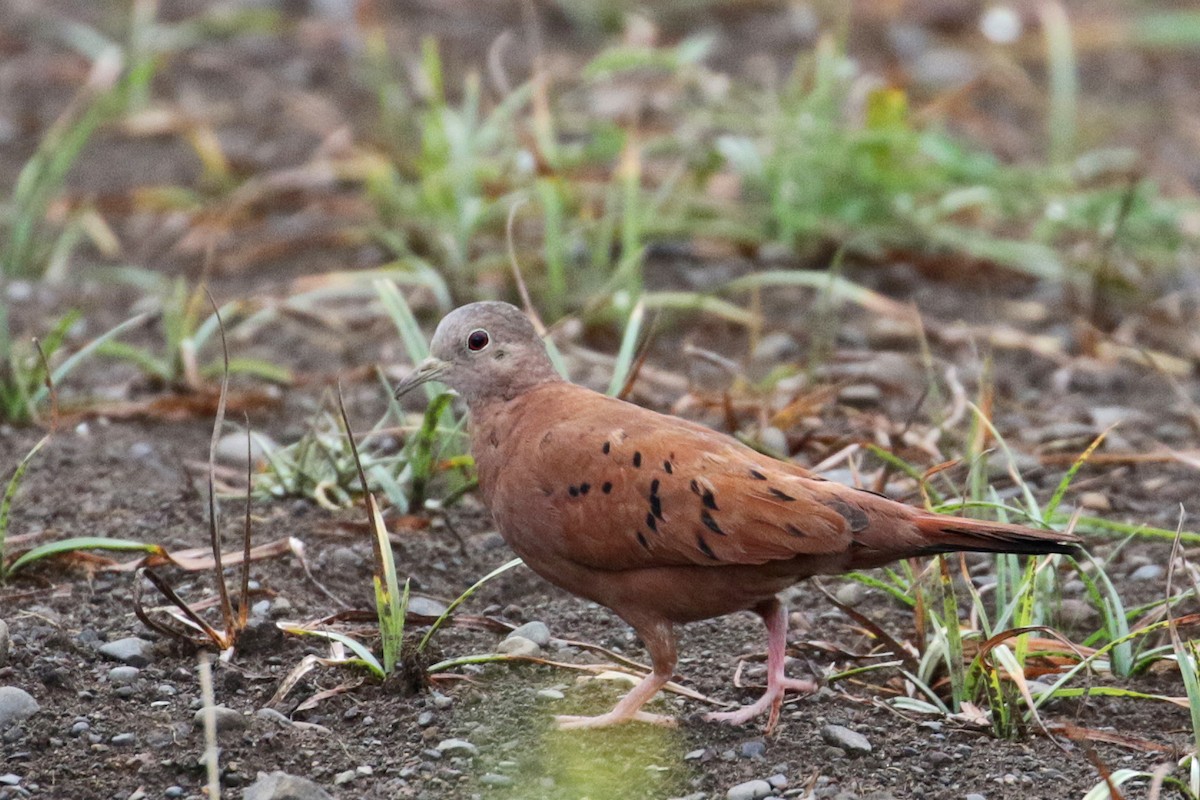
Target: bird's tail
[946,534]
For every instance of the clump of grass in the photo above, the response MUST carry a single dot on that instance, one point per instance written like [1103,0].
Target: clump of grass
[26,378]
[186,329]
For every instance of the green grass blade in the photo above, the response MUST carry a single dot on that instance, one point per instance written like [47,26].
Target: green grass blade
[628,349]
[64,369]
[462,598]
[51,549]
[10,492]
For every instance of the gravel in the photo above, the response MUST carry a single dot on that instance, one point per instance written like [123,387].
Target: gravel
[15,705]
[132,650]
[854,743]
[750,790]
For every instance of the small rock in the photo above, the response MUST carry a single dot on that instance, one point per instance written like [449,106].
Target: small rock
[231,449]
[750,790]
[80,727]
[495,779]
[778,781]
[118,676]
[861,394]
[695,755]
[1074,612]
[1095,501]
[535,631]
[441,700]
[1148,572]
[974,796]
[342,778]
[131,650]
[425,719]
[550,694]
[426,606]
[15,705]
[227,720]
[518,646]
[123,740]
[281,786]
[271,715]
[851,593]
[3,642]
[9,779]
[755,748]
[852,742]
[457,747]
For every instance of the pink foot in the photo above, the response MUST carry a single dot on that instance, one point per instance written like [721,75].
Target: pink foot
[771,700]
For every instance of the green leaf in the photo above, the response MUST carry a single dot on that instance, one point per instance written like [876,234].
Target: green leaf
[51,549]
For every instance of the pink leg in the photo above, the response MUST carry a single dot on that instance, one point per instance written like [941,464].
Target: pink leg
[659,636]
[775,616]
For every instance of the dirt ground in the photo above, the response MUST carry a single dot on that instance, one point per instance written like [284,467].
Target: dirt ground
[106,732]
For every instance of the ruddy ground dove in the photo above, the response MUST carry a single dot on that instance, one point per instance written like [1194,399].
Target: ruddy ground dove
[662,520]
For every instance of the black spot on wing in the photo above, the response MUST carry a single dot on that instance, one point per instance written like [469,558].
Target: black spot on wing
[711,523]
[607,487]
[606,447]
[637,458]
[584,488]
[641,537]
[704,548]
[855,517]
[758,476]
[573,491]
[655,506]
[794,531]
[651,522]
[779,495]
[667,467]
[709,500]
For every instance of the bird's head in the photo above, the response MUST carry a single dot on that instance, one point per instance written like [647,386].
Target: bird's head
[484,351]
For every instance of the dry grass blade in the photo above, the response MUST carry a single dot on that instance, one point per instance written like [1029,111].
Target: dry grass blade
[214,524]
[215,636]
[898,650]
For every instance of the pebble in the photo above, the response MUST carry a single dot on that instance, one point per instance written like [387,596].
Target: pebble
[425,719]
[15,705]
[123,740]
[426,606]
[457,747]
[535,631]
[271,715]
[750,790]
[852,742]
[226,719]
[518,646]
[1095,501]
[4,640]
[975,796]
[778,781]
[173,792]
[9,779]
[281,786]
[1076,613]
[851,593]
[80,727]
[342,778]
[441,700]
[1148,572]
[495,779]
[695,755]
[131,650]
[119,676]
[755,748]
[550,694]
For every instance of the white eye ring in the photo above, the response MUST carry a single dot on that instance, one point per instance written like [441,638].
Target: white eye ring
[477,340]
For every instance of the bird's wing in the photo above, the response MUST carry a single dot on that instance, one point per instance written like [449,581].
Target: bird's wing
[621,487]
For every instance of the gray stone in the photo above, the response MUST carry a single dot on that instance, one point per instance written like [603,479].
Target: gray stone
[457,747]
[518,646]
[851,593]
[1074,612]
[778,781]
[975,796]
[425,719]
[123,740]
[281,786]
[755,748]
[131,650]
[15,705]
[9,779]
[535,631]
[750,790]
[226,719]
[271,715]
[4,642]
[426,606]
[550,694]
[852,742]
[119,676]
[1148,572]
[495,779]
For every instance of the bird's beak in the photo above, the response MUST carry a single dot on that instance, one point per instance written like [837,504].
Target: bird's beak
[428,370]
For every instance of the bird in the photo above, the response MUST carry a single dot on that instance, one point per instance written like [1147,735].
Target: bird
[662,520]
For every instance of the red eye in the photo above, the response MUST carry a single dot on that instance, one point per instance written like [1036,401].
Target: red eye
[477,339]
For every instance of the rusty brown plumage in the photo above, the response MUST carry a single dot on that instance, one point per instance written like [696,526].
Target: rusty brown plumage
[659,519]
